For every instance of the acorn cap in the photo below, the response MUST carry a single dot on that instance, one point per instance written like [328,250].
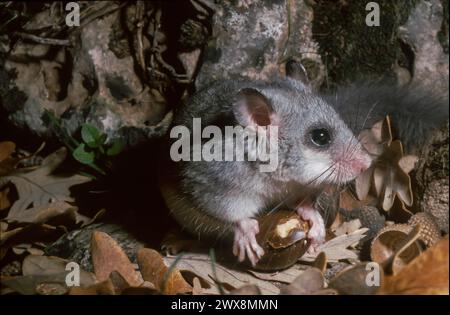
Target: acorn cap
[369,216]
[429,230]
[389,240]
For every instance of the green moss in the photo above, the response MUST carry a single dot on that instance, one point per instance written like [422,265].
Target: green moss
[352,50]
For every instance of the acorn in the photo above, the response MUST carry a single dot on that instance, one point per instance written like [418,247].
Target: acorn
[391,246]
[429,230]
[282,235]
[369,217]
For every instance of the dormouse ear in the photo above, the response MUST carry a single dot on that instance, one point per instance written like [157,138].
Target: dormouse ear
[252,108]
[296,71]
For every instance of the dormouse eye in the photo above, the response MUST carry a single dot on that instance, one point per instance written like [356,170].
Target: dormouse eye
[320,137]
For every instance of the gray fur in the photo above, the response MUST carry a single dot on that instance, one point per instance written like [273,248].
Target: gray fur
[231,191]
[415,112]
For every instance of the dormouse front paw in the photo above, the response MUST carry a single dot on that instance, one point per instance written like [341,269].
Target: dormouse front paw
[317,231]
[245,244]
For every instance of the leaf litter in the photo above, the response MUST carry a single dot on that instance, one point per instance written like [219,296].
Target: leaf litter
[43,196]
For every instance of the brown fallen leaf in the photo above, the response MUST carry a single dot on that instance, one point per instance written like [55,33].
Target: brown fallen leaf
[38,187]
[4,200]
[399,213]
[34,265]
[7,163]
[48,211]
[347,200]
[348,227]
[102,288]
[5,235]
[119,282]
[114,285]
[391,176]
[6,149]
[51,289]
[426,274]
[337,248]
[320,262]
[389,171]
[307,283]
[249,289]
[353,280]
[283,276]
[26,285]
[154,270]
[45,275]
[140,291]
[196,287]
[108,256]
[16,237]
[375,141]
[200,264]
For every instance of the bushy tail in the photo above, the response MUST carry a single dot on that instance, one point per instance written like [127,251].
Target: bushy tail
[414,111]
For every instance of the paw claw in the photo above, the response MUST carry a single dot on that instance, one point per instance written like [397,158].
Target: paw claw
[317,231]
[245,244]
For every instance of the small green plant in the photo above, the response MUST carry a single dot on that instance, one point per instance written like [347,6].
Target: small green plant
[92,149]
[94,145]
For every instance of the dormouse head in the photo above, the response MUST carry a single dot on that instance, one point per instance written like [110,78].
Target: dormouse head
[315,146]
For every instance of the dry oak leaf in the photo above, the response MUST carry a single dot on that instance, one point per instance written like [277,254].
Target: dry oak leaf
[101,288]
[336,249]
[249,289]
[426,274]
[4,200]
[348,200]
[108,256]
[283,276]
[114,285]
[43,275]
[6,149]
[27,285]
[154,270]
[5,235]
[7,163]
[307,283]
[39,187]
[389,171]
[45,212]
[34,265]
[200,264]
[353,280]
[348,227]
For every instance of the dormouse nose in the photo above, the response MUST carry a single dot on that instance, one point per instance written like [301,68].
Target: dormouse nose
[361,163]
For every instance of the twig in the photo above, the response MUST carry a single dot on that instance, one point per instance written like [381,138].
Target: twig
[43,40]
[139,27]
[156,22]
[168,67]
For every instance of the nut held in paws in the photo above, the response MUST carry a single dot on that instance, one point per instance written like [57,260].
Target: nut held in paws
[283,237]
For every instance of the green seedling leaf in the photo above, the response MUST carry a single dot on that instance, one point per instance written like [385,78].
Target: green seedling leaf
[92,145]
[90,135]
[102,139]
[116,147]
[81,155]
